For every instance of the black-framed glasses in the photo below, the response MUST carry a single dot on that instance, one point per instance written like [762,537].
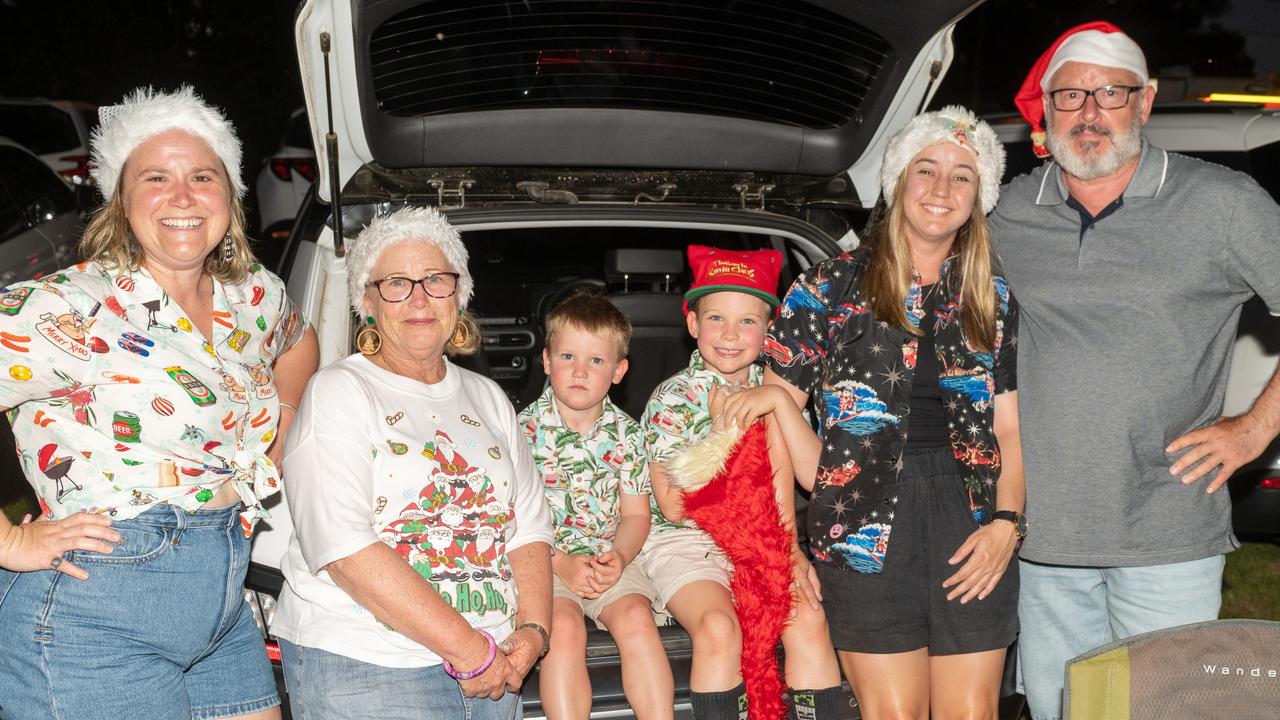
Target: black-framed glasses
[398,289]
[1108,97]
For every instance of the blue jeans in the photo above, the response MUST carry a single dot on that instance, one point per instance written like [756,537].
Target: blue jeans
[160,630]
[326,686]
[1066,611]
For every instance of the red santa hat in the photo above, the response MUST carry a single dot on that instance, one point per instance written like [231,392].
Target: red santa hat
[1095,43]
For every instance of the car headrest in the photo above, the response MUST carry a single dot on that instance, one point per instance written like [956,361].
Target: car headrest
[643,264]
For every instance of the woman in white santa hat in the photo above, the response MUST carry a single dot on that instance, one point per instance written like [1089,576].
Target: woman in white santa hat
[125,598]
[907,348]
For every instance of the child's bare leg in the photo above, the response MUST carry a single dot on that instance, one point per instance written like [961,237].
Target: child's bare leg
[562,680]
[705,609]
[811,660]
[646,672]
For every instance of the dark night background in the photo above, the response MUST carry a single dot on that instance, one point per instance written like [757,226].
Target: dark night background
[240,54]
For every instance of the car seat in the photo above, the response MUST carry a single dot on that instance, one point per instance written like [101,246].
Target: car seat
[647,286]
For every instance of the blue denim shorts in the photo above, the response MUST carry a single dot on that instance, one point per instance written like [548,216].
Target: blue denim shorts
[323,685]
[160,630]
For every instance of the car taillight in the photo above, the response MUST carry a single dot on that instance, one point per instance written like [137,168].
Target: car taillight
[282,167]
[80,172]
[306,168]
[1271,483]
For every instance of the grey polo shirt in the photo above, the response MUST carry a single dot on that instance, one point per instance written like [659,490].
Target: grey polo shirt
[1128,321]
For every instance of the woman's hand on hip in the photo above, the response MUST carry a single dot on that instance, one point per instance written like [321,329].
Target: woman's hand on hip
[988,551]
[40,545]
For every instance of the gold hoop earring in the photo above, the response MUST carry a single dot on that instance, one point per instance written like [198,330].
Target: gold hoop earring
[369,340]
[461,334]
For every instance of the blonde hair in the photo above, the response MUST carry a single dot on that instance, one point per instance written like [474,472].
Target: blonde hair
[889,273]
[109,241]
[591,313]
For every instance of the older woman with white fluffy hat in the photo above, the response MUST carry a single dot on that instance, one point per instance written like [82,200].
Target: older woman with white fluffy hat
[418,577]
[148,388]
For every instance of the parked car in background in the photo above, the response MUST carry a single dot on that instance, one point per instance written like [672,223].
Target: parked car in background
[57,131]
[587,145]
[40,221]
[1243,137]
[284,179]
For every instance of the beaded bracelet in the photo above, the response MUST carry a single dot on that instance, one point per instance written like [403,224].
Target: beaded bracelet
[493,653]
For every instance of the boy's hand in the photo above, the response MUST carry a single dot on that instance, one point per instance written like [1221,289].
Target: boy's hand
[608,569]
[577,572]
[746,406]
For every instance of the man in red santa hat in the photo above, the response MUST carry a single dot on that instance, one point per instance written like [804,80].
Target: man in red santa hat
[1130,264]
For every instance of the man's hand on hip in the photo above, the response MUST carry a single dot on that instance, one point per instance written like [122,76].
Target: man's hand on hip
[1227,444]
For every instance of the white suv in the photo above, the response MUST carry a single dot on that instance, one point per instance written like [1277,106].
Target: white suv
[587,144]
[1245,138]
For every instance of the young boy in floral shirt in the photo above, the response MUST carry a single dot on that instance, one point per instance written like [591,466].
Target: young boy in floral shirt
[588,453]
[728,309]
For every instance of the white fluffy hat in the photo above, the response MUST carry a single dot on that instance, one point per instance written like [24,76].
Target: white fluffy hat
[146,112]
[950,124]
[424,225]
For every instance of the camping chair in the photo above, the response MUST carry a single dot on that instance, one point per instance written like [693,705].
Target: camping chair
[1218,669]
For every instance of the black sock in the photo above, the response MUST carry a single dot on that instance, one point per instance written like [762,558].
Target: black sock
[825,704]
[723,705]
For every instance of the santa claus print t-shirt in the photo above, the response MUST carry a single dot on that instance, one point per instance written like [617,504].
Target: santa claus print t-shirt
[439,473]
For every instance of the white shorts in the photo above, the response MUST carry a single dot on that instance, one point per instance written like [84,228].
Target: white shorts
[676,557]
[632,582]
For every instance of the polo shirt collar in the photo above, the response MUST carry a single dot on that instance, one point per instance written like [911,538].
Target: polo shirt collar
[1147,180]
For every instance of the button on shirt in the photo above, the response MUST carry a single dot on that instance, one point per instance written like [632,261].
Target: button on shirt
[1126,335]
[120,403]
[677,415]
[859,370]
[582,475]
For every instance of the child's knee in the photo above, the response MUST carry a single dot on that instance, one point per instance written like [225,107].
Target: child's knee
[568,629]
[718,629]
[631,617]
[808,624]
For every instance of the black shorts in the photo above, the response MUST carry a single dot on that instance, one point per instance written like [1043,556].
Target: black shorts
[905,607]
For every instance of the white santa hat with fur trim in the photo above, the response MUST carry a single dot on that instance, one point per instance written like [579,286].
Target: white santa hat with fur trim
[952,124]
[146,112]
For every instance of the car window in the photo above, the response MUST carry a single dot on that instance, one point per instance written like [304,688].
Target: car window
[90,118]
[41,128]
[1264,165]
[28,181]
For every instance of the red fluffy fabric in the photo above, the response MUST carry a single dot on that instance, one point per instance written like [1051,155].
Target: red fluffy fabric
[739,511]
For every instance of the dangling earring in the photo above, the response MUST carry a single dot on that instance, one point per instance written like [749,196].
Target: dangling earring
[228,248]
[369,340]
[461,333]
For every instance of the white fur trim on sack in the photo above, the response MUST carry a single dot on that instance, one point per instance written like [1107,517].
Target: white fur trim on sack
[146,112]
[950,124]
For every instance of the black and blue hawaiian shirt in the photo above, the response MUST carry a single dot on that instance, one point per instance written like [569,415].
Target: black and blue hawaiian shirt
[859,372]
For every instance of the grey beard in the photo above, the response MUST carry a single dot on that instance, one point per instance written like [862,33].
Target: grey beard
[1124,146]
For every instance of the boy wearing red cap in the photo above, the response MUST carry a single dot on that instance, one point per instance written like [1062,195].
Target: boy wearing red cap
[1131,265]
[728,309]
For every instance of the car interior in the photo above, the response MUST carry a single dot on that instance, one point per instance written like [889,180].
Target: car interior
[521,274]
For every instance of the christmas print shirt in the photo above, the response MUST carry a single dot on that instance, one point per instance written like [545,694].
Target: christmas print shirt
[582,475]
[859,372]
[117,401]
[439,473]
[677,415]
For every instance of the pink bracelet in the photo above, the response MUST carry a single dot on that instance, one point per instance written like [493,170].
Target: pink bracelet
[493,653]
